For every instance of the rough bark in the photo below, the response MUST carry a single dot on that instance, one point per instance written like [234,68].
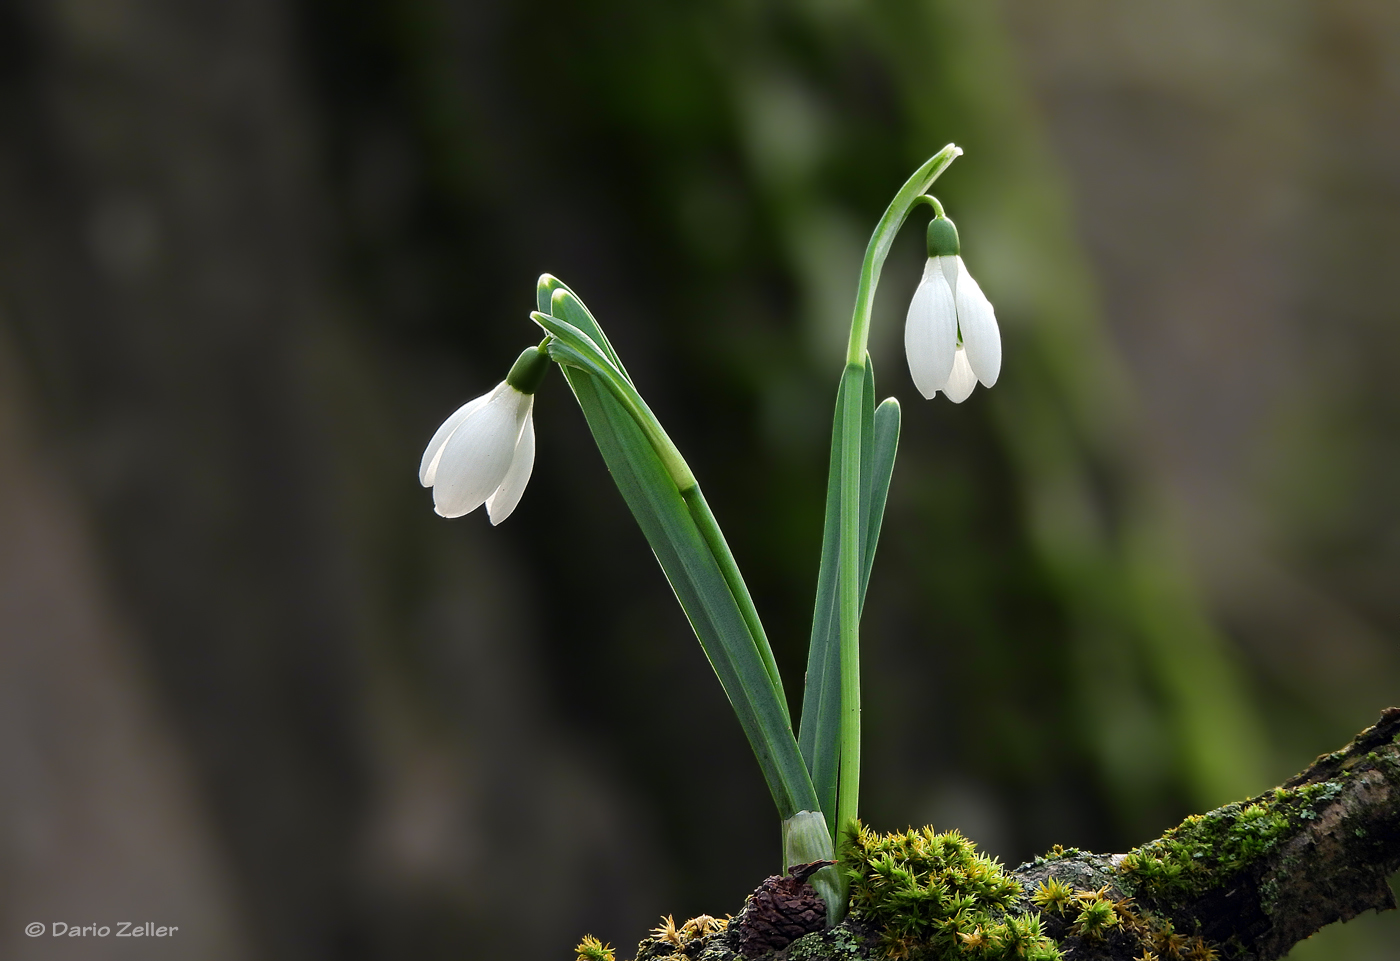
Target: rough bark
[1330,864]
[1245,882]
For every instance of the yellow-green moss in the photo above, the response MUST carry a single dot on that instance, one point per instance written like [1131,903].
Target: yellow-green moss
[1206,850]
[670,940]
[936,899]
[591,949]
[1053,896]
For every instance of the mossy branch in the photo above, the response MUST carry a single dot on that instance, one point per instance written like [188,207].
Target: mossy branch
[1281,866]
[1245,882]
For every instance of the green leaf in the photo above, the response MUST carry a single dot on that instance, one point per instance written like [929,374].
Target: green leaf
[867,461]
[555,298]
[714,537]
[686,554]
[819,734]
[886,434]
[570,347]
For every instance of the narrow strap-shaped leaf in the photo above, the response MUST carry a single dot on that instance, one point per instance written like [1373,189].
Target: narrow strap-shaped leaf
[573,346]
[701,590]
[867,461]
[709,529]
[886,443]
[685,550]
[569,307]
[819,734]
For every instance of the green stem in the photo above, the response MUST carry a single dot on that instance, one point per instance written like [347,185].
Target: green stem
[848,582]
[883,238]
[851,486]
[932,201]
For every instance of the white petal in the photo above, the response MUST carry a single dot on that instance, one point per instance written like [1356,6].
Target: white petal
[500,504]
[930,330]
[962,380]
[477,456]
[978,322]
[949,265]
[433,453]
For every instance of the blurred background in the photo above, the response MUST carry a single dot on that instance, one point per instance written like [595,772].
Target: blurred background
[253,253]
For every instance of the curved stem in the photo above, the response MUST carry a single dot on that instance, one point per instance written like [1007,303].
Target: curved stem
[932,201]
[848,791]
[883,238]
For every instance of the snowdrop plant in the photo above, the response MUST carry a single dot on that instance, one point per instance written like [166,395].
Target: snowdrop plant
[483,453]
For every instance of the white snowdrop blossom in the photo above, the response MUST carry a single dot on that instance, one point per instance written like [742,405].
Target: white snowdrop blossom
[951,337]
[484,452]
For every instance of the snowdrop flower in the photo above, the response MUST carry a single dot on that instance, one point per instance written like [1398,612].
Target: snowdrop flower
[483,453]
[950,335]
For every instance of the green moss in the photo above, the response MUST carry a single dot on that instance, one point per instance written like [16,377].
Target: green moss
[688,940]
[1268,894]
[1389,766]
[1058,852]
[1206,850]
[1053,896]
[1096,917]
[591,949]
[834,944]
[934,898]
[1323,791]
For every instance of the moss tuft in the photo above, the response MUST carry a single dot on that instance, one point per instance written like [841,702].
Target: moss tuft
[591,949]
[1053,896]
[936,899]
[1096,917]
[670,940]
[833,944]
[1206,850]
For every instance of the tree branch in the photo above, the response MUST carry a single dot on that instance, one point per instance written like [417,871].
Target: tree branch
[1245,882]
[1256,877]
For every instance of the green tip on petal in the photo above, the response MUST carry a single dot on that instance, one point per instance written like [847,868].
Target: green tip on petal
[942,238]
[528,370]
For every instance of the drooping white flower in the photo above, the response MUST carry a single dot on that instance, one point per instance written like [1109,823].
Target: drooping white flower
[484,452]
[951,337]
